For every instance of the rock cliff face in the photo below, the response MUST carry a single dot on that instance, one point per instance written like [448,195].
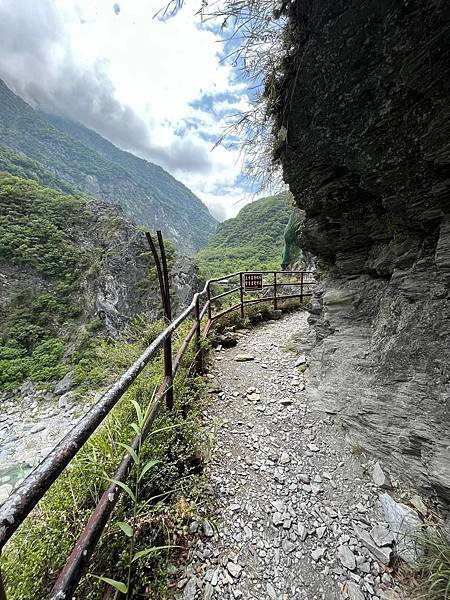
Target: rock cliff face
[364,100]
[71,271]
[122,286]
[120,280]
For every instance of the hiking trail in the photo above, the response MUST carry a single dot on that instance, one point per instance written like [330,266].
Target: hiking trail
[286,486]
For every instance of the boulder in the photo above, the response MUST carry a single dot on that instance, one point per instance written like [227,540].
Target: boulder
[63,386]
[244,357]
[405,524]
[382,554]
[347,557]
[275,314]
[227,339]
[300,360]
[380,478]
[207,528]
[5,491]
[318,553]
[64,399]
[354,591]
[190,589]
[390,595]
[382,536]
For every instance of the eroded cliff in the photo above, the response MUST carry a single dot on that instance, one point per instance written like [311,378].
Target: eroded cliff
[73,272]
[364,101]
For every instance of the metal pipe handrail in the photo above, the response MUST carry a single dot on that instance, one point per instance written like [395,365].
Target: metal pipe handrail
[258,301]
[17,507]
[226,293]
[32,489]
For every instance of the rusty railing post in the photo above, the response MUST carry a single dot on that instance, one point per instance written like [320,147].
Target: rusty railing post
[208,300]
[198,333]
[168,368]
[241,291]
[163,277]
[301,286]
[275,303]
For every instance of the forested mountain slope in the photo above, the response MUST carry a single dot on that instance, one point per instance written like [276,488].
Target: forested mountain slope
[82,159]
[254,239]
[17,163]
[69,268]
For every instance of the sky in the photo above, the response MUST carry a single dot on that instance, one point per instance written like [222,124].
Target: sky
[157,87]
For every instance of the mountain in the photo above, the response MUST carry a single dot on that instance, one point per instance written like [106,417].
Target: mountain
[69,267]
[16,163]
[68,156]
[252,240]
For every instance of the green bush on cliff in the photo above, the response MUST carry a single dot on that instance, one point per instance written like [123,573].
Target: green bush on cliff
[36,225]
[44,364]
[13,366]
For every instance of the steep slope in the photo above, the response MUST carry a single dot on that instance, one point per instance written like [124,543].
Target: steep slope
[69,268]
[21,165]
[252,240]
[367,157]
[84,160]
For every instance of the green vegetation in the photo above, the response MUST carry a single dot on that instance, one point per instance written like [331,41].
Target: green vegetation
[20,165]
[44,266]
[434,571]
[49,259]
[65,155]
[292,251]
[251,241]
[55,252]
[33,225]
[169,493]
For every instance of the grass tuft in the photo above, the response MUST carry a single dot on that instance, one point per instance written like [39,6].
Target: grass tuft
[434,569]
[170,492]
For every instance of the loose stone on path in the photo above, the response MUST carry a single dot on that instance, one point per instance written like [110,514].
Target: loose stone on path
[295,517]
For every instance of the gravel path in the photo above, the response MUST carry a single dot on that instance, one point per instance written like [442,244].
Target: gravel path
[286,486]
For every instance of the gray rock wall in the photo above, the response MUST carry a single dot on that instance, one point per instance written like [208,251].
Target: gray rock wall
[365,103]
[125,282]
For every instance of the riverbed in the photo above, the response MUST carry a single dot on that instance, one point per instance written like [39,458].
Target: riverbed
[31,424]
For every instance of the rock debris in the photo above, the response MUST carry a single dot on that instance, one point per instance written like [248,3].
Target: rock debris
[293,508]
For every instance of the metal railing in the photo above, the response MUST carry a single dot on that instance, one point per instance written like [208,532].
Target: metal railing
[22,501]
[267,280]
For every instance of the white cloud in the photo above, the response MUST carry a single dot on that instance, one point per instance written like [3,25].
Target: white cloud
[155,87]
[227,204]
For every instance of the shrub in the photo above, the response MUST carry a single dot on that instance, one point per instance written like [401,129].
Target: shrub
[434,570]
[12,372]
[44,364]
[39,548]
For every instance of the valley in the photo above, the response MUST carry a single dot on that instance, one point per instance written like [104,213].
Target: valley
[70,157]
